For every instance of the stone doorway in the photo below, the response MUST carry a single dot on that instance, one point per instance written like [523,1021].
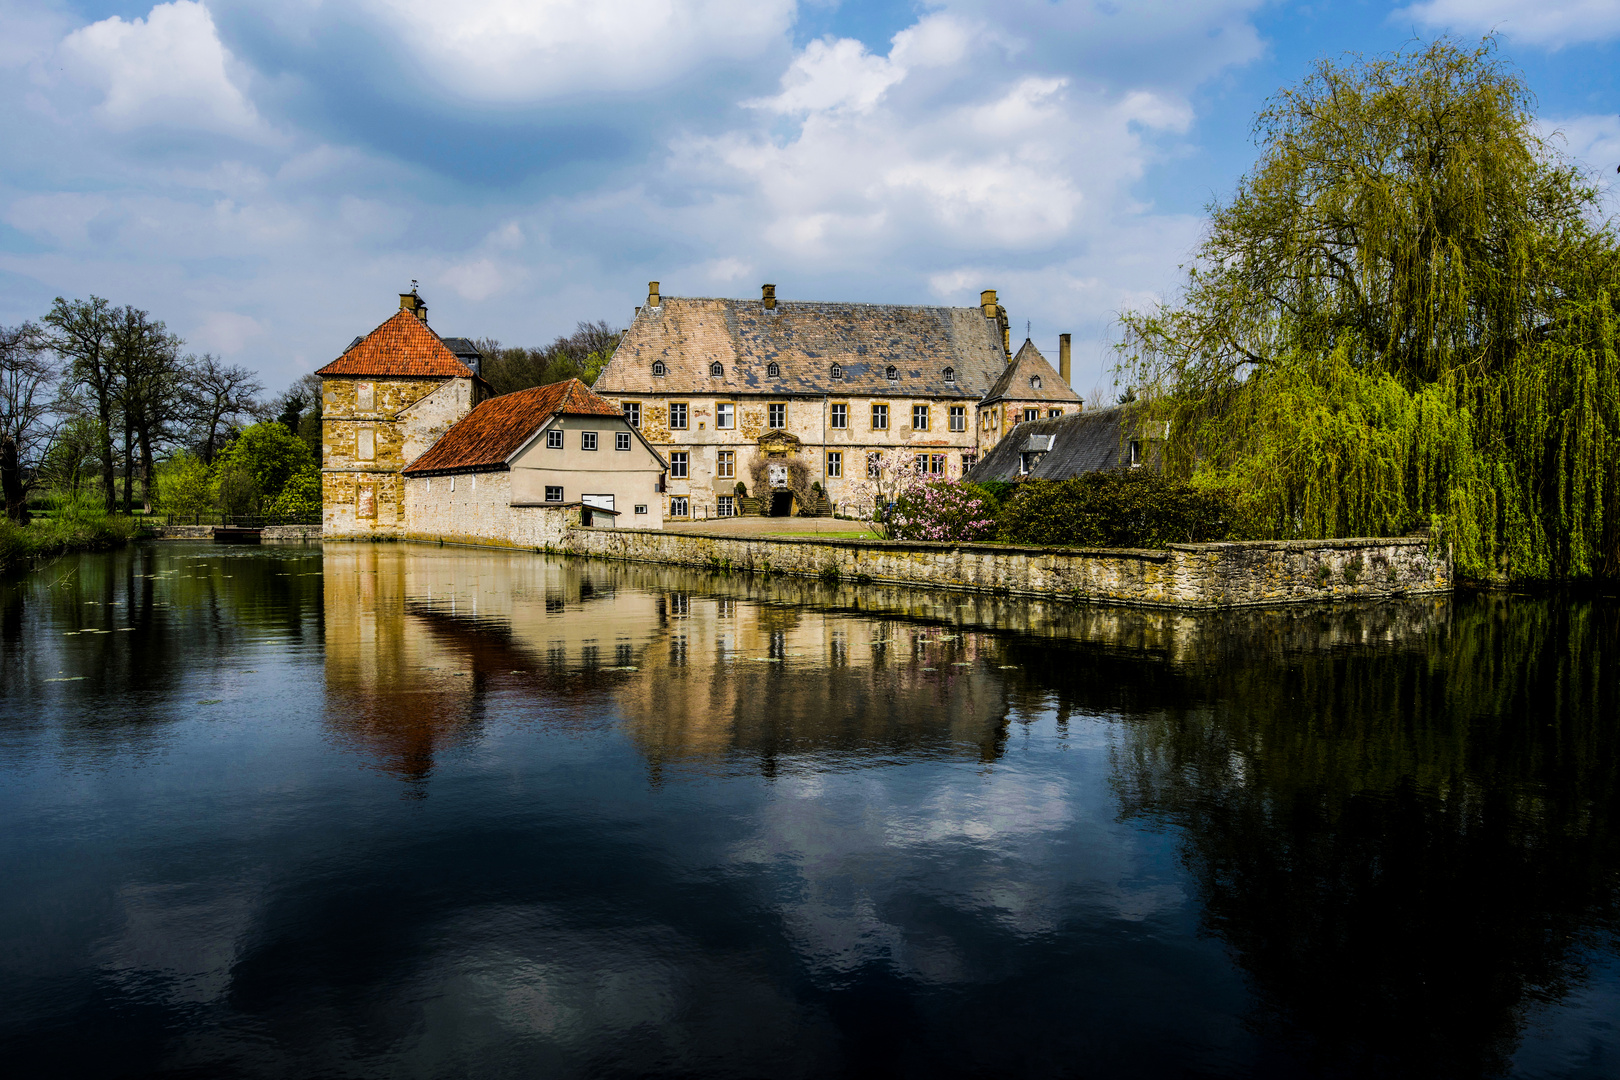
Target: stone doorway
[781,504]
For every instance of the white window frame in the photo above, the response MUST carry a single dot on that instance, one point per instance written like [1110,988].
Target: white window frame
[725,506]
[621,440]
[725,465]
[958,417]
[776,415]
[678,465]
[835,463]
[680,506]
[725,415]
[880,411]
[587,440]
[558,497]
[840,415]
[554,439]
[919,412]
[673,424]
[632,412]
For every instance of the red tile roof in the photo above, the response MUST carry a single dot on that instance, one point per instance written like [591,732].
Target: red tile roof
[492,432]
[403,347]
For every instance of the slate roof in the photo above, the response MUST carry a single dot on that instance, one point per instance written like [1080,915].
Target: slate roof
[806,340]
[402,347]
[496,429]
[465,351]
[1079,443]
[1014,383]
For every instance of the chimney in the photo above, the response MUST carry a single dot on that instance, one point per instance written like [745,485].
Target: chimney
[411,302]
[987,301]
[653,298]
[997,314]
[768,297]
[1063,359]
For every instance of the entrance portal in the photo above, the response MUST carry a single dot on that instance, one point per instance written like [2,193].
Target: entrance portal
[781,503]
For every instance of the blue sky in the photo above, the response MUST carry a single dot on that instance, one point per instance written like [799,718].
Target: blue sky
[266,175]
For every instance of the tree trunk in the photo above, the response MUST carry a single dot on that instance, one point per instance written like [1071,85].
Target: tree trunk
[11,483]
[146,467]
[109,471]
[129,468]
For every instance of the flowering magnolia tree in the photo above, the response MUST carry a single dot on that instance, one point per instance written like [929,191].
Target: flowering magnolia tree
[907,504]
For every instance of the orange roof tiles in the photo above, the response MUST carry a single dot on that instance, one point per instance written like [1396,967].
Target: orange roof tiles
[492,432]
[403,347]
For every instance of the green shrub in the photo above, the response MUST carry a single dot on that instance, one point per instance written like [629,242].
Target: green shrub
[254,469]
[76,522]
[301,498]
[185,486]
[1132,509]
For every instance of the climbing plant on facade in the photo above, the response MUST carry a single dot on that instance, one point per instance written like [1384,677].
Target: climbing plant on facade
[1404,317]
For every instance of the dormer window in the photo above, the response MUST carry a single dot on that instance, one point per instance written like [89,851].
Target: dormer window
[891,373]
[773,369]
[950,374]
[837,371]
[659,369]
[1034,382]
[716,370]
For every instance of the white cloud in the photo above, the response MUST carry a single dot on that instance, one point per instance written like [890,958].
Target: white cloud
[1594,142]
[480,279]
[168,69]
[226,332]
[523,50]
[1553,23]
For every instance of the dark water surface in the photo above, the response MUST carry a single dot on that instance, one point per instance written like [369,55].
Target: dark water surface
[393,811]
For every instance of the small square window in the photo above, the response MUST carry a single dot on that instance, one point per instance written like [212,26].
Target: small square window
[641,508]
[677,415]
[1054,412]
[587,440]
[778,415]
[840,416]
[1032,414]
[621,440]
[553,494]
[554,439]
[725,415]
[677,465]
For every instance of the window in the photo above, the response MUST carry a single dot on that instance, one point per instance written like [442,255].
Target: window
[920,463]
[778,414]
[677,415]
[725,465]
[553,494]
[968,461]
[936,464]
[950,374]
[773,369]
[1135,450]
[365,444]
[1034,382]
[641,508]
[587,440]
[554,439]
[632,413]
[891,373]
[716,370]
[726,506]
[677,466]
[880,418]
[958,417]
[725,415]
[621,440]
[919,418]
[365,396]
[1032,414]
[874,468]
[837,371]
[679,507]
[1054,412]
[659,369]
[835,463]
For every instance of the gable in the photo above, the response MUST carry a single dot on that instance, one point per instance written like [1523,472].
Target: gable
[402,347]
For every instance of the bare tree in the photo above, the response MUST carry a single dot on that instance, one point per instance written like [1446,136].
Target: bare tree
[146,360]
[81,334]
[219,395]
[27,421]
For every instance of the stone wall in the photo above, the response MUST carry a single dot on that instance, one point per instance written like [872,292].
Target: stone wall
[477,510]
[1182,576]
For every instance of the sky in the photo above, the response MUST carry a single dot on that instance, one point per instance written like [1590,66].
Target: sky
[267,175]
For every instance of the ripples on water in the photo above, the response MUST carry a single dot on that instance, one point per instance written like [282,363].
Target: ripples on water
[412,811]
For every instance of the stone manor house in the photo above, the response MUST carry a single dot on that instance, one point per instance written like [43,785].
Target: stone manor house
[758,391]
[796,402]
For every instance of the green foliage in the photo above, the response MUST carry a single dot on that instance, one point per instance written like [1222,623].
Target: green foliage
[300,500]
[1125,509]
[75,521]
[1403,318]
[580,355]
[252,472]
[185,485]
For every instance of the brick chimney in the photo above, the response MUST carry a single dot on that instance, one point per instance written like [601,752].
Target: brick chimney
[1063,359]
[653,298]
[998,314]
[767,298]
[411,302]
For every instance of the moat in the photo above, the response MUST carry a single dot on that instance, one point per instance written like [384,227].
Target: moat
[398,810]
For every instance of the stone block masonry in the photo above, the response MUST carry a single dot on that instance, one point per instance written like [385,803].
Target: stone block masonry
[1181,576]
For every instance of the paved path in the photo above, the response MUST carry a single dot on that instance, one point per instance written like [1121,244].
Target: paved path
[773,526]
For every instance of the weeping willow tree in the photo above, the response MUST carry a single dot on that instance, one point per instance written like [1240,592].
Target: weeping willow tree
[1403,318]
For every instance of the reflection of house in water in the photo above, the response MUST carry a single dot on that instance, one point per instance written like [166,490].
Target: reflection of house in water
[424,646]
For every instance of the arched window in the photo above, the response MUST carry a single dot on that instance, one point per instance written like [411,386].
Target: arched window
[716,370]
[773,369]
[1034,382]
[837,371]
[659,369]
[891,372]
[950,374]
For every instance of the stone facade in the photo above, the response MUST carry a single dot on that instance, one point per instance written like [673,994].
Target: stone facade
[477,509]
